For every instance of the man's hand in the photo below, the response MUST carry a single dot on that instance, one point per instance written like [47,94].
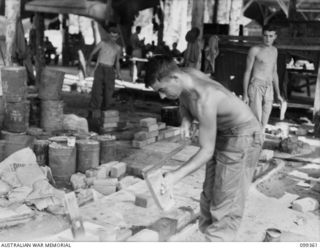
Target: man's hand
[246,99]
[280,99]
[185,129]
[119,77]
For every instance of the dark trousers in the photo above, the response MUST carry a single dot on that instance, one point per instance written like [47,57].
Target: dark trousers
[103,87]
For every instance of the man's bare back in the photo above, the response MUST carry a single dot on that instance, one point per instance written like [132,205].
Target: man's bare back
[207,93]
[265,58]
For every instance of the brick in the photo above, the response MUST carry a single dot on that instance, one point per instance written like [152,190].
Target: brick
[104,189]
[90,180]
[106,182]
[150,128]
[161,125]
[305,204]
[110,113]
[111,120]
[118,170]
[166,227]
[139,144]
[127,182]
[146,122]
[141,135]
[143,200]
[145,235]
[144,135]
[78,181]
[161,135]
[91,172]
[109,125]
[104,169]
[266,155]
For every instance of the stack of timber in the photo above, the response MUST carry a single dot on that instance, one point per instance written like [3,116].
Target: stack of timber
[110,120]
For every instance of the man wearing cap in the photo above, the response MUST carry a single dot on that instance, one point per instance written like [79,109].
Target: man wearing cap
[106,70]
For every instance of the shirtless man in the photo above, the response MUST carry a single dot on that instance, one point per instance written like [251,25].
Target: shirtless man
[104,75]
[261,72]
[230,141]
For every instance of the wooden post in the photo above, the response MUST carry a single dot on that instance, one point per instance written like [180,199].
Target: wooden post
[12,12]
[235,17]
[65,41]
[316,106]
[223,11]
[197,15]
[39,61]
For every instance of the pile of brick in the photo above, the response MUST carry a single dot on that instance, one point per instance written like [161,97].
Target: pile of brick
[152,131]
[106,179]
[110,120]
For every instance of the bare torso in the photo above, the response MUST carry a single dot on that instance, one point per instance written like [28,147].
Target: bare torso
[108,53]
[231,111]
[264,62]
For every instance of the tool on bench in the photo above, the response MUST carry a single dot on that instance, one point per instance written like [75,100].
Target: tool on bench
[155,180]
[72,208]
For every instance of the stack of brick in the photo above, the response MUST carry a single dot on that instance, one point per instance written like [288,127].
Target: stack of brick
[149,132]
[110,120]
[105,179]
[168,132]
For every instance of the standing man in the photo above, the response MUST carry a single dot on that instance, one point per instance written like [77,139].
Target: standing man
[261,77]
[137,46]
[107,68]
[230,141]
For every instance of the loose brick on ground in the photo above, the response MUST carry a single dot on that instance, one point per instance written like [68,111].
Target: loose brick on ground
[118,170]
[146,122]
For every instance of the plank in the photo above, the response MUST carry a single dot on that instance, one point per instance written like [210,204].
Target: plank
[186,153]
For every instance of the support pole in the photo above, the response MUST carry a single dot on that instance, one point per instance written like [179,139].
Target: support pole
[316,106]
[12,13]
[235,17]
[39,61]
[197,15]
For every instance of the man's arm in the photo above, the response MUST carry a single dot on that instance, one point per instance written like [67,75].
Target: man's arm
[247,73]
[186,120]
[118,70]
[207,138]
[276,80]
[94,51]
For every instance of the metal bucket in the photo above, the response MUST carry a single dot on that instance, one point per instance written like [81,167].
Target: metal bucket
[51,84]
[15,142]
[62,161]
[88,155]
[170,115]
[51,115]
[16,116]
[14,83]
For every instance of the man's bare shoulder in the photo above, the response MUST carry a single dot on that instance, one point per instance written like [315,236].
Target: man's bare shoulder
[254,50]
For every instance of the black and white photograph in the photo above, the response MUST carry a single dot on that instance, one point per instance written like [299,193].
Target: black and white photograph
[180,121]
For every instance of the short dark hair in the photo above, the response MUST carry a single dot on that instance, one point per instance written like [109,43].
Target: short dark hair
[269,28]
[159,67]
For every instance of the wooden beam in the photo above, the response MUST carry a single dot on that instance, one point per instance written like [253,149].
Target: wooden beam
[247,5]
[284,7]
[316,106]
